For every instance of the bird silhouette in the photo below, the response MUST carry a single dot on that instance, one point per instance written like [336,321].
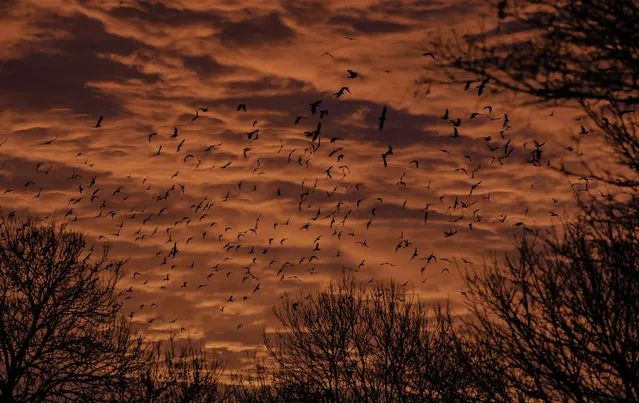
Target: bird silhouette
[382,119]
[481,86]
[386,154]
[99,123]
[314,106]
[340,92]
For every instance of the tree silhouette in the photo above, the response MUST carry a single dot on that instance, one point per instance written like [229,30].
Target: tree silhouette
[356,343]
[61,335]
[579,51]
[561,321]
[177,375]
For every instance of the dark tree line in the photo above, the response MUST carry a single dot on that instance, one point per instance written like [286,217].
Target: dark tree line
[557,321]
[356,343]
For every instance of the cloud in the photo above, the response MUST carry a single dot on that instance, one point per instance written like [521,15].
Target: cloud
[157,13]
[55,74]
[262,30]
[368,26]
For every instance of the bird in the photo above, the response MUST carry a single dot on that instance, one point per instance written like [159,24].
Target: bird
[352,74]
[386,154]
[429,54]
[481,86]
[382,119]
[151,135]
[450,233]
[340,92]
[501,9]
[241,107]
[48,142]
[314,106]
[98,124]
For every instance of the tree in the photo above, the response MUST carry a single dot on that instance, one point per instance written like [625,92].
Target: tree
[561,321]
[351,342]
[172,375]
[62,337]
[579,51]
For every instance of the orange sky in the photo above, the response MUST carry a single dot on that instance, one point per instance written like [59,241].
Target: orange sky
[146,67]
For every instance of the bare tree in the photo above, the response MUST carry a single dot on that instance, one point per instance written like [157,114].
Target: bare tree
[61,335]
[356,343]
[561,321]
[177,375]
[579,51]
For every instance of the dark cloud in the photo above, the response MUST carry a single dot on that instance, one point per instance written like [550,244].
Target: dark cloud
[206,66]
[368,26]
[158,13]
[306,12]
[267,83]
[57,77]
[268,29]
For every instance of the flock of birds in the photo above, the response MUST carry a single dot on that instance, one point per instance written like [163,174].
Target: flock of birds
[254,253]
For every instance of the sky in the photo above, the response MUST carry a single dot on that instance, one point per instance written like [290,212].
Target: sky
[266,210]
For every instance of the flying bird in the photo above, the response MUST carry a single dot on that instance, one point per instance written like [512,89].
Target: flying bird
[99,121]
[48,142]
[340,92]
[241,107]
[386,154]
[352,74]
[382,119]
[314,106]
[481,86]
